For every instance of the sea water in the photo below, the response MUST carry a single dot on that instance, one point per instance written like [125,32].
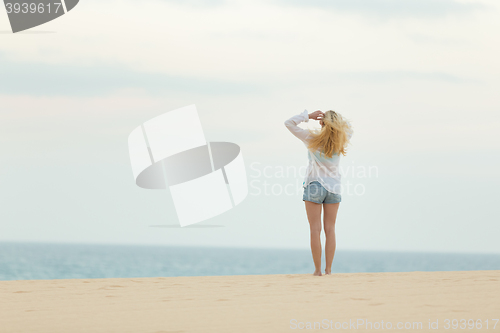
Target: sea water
[22,261]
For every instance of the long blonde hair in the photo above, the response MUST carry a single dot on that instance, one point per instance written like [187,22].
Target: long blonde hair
[332,139]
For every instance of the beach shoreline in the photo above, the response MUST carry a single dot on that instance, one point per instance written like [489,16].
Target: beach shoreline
[252,303]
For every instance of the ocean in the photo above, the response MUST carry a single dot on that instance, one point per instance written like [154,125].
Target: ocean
[34,261]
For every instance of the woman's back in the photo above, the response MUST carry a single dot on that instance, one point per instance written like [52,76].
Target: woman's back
[321,168]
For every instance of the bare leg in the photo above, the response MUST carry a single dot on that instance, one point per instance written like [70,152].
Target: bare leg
[314,216]
[329,218]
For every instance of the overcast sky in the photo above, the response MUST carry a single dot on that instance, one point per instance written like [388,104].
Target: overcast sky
[418,79]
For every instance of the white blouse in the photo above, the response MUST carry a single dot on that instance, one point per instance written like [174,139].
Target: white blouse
[322,169]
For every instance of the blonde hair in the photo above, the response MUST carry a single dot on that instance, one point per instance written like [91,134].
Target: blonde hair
[332,139]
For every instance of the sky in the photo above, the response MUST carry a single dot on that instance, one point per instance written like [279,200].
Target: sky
[418,80]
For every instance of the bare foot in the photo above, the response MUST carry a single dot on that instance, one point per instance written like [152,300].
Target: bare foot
[317,273]
[328,273]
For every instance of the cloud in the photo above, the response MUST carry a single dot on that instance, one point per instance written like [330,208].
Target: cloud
[51,79]
[40,79]
[389,8]
[322,78]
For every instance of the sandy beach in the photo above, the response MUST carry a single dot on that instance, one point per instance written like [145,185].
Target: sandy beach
[259,303]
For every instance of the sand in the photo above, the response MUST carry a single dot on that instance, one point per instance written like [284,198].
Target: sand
[258,303]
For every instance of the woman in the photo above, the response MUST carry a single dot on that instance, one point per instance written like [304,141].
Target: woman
[322,185]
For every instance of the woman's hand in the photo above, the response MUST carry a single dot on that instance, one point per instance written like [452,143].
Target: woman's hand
[316,115]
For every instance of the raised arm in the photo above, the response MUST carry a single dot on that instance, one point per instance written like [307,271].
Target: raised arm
[292,123]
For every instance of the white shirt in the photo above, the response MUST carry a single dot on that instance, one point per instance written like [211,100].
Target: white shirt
[322,169]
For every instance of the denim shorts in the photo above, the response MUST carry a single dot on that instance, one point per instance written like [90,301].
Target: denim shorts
[315,192]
